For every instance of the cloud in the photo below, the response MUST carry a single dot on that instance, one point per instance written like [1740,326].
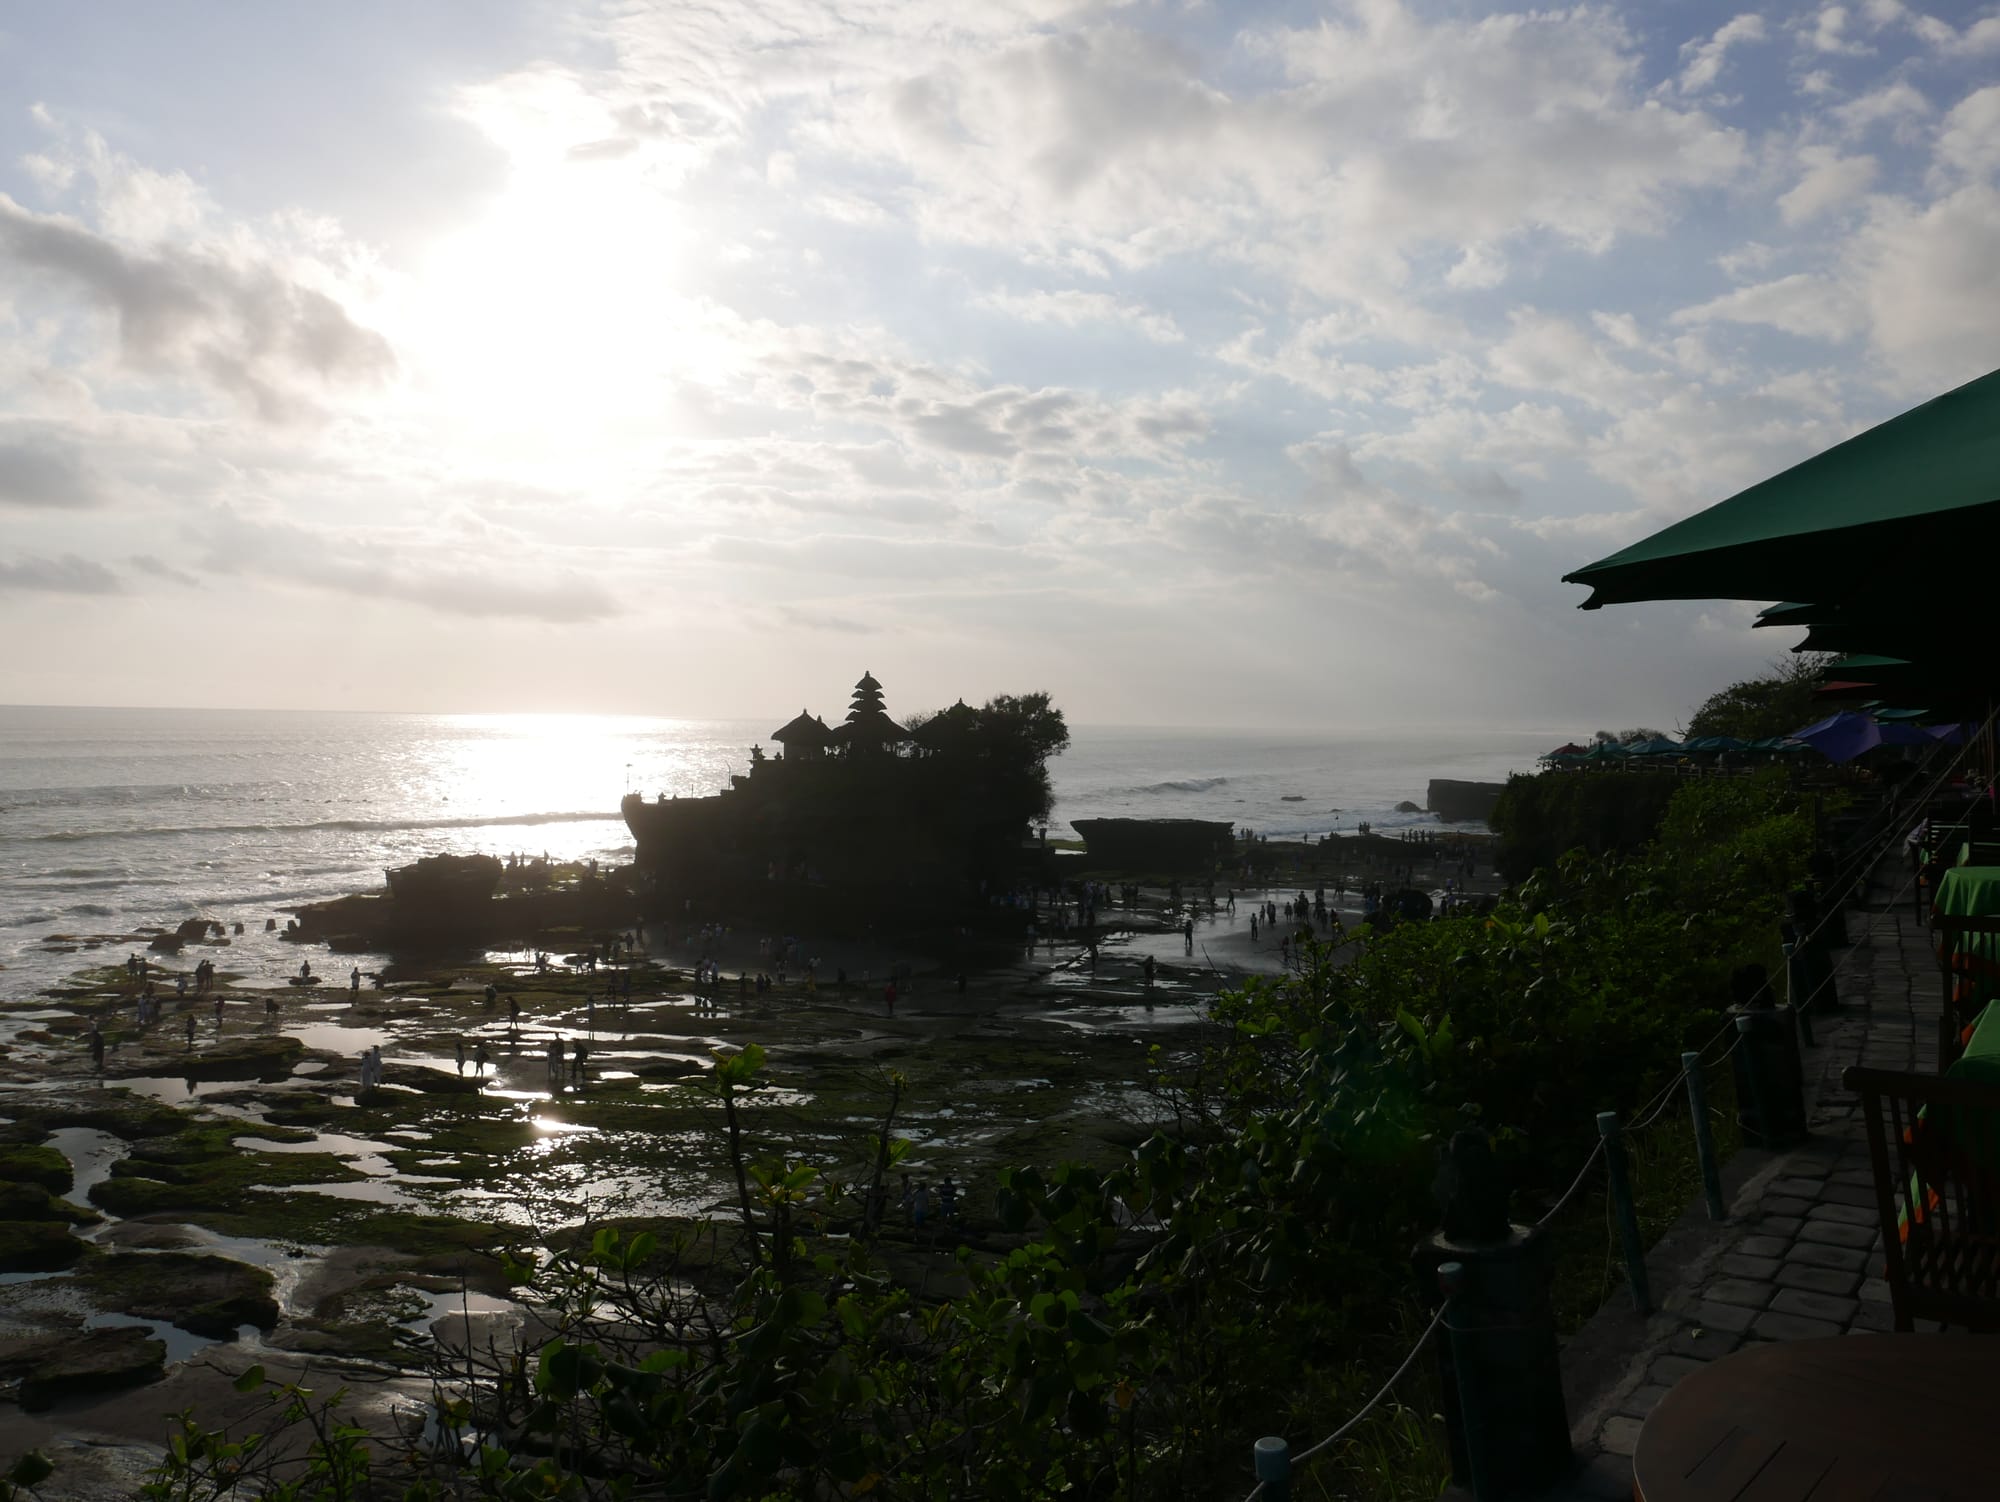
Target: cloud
[403,570]
[1070,308]
[1969,139]
[239,325]
[1704,60]
[67,575]
[1830,180]
[146,563]
[1809,305]
[45,474]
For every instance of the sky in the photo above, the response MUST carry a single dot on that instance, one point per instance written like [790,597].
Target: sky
[1198,363]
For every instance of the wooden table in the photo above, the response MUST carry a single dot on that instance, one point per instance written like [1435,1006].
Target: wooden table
[1856,1418]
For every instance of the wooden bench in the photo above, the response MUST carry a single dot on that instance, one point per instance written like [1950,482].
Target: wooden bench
[1934,1145]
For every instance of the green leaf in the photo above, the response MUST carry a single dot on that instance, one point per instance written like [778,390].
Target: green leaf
[251,1379]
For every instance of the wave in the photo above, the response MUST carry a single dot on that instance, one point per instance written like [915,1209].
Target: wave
[1183,785]
[352,826]
[90,910]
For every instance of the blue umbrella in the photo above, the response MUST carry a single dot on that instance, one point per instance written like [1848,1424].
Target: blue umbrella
[1844,736]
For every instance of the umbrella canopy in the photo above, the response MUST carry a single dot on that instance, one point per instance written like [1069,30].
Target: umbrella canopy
[1655,745]
[1844,736]
[1890,512]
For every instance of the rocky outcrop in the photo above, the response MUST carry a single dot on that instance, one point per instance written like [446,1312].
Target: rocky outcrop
[202,1294]
[84,1365]
[1457,801]
[1166,847]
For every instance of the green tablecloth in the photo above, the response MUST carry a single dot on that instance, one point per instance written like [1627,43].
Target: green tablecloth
[1981,1059]
[1969,892]
[1974,959]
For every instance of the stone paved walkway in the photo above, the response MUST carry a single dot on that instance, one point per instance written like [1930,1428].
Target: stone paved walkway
[1800,1254]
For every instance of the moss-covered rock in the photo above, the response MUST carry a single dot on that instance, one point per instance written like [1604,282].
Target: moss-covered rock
[90,1364]
[37,1246]
[40,1164]
[261,1056]
[205,1294]
[33,1202]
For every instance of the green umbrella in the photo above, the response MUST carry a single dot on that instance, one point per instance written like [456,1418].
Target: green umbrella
[1896,512]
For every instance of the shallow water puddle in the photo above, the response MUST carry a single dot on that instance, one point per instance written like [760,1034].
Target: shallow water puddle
[91,1154]
[181,1344]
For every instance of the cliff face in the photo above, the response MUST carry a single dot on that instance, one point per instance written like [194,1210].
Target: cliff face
[1453,801]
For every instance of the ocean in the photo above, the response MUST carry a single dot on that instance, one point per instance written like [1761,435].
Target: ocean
[113,819]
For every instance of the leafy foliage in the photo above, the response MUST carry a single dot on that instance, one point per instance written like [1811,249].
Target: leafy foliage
[1775,703]
[1132,1326]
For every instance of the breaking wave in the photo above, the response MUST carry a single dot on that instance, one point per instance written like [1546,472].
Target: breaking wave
[354,826]
[1183,785]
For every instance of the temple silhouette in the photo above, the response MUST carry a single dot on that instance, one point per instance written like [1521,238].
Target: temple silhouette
[853,817]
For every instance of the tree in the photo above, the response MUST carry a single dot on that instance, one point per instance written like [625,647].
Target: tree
[1775,703]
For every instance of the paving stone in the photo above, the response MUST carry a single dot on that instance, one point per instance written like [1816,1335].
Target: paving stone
[1814,1305]
[1865,1177]
[1817,1279]
[1874,1317]
[1734,1318]
[1852,1215]
[1667,1370]
[1761,1268]
[1814,1254]
[1784,1204]
[1874,1291]
[1643,1400]
[1700,1344]
[1751,1293]
[1833,1233]
[1771,1325]
[1762,1246]
[1805,1189]
[1850,1194]
[1620,1436]
[1785,1227]
[1811,1163]
[1604,1478]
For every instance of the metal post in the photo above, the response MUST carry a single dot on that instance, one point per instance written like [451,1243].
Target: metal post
[1794,984]
[1704,1143]
[1272,1458]
[1451,1278]
[1622,1208]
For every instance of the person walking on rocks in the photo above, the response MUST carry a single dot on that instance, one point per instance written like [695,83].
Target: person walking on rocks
[354,981]
[96,1042]
[920,1204]
[889,998]
[577,1056]
[190,1023]
[479,1059]
[459,1048]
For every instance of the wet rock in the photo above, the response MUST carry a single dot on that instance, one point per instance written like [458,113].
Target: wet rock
[265,1057]
[194,930]
[207,1295]
[33,1202]
[86,1365]
[25,1164]
[1407,807]
[430,1081]
[37,1246]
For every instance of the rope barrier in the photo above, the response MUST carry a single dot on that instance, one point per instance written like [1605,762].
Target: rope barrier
[1663,1099]
[1369,1407]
